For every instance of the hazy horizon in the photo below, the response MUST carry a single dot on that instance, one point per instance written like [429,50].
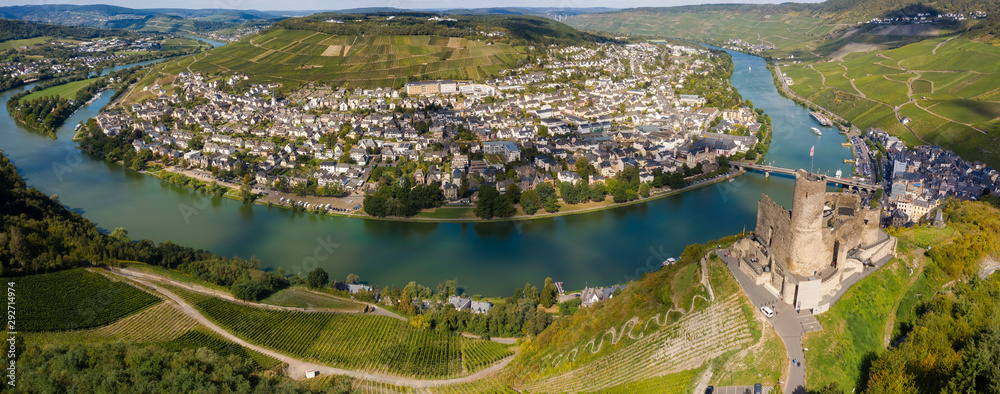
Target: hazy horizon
[320,5]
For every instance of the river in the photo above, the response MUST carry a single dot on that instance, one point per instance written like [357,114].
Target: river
[598,248]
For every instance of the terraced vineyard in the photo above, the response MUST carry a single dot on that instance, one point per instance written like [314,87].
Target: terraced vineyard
[161,322]
[650,351]
[479,354]
[74,299]
[373,343]
[292,57]
[201,338]
[678,383]
[487,385]
[948,89]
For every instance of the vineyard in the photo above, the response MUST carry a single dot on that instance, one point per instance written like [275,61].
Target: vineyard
[201,338]
[372,343]
[297,56]
[74,299]
[479,354]
[487,385]
[162,322]
[695,339]
[678,383]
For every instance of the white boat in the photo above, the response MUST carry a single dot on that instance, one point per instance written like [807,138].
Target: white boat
[749,68]
[816,131]
[839,173]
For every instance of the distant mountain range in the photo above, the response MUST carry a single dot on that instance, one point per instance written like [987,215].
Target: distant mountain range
[167,19]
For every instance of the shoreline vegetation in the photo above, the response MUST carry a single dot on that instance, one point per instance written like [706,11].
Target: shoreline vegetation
[226,190]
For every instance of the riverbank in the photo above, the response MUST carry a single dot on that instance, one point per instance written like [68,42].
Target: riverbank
[273,199]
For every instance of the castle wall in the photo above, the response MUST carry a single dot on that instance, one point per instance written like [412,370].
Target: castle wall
[774,228]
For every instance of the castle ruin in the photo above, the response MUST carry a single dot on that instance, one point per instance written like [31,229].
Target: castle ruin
[805,255]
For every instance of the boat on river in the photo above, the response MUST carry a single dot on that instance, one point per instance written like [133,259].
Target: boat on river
[815,131]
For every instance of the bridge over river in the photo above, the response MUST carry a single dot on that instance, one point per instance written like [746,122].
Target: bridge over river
[852,185]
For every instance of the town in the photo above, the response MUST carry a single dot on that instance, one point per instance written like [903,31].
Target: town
[579,114]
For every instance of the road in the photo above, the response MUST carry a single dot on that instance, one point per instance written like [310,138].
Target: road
[228,297]
[787,323]
[297,368]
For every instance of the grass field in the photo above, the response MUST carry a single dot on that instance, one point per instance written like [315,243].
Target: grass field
[67,90]
[372,343]
[449,213]
[293,57]
[74,299]
[853,329]
[301,298]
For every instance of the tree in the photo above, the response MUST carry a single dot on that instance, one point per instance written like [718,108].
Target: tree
[491,204]
[644,190]
[513,193]
[531,293]
[245,195]
[549,293]
[248,290]
[120,233]
[317,278]
[543,131]
[597,192]
[353,279]
[547,195]
[530,202]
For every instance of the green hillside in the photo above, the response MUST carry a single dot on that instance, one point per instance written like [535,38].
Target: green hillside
[293,57]
[661,334]
[947,88]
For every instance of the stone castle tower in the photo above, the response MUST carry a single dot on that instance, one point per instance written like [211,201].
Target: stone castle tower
[807,225]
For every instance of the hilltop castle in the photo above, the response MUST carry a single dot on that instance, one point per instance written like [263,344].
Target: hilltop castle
[825,243]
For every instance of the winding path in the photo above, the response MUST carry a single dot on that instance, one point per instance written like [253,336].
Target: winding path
[297,368]
[228,297]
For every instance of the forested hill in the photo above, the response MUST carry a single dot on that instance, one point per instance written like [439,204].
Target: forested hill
[516,29]
[38,234]
[11,29]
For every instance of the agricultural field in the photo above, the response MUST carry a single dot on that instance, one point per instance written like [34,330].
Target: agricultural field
[372,343]
[74,299]
[949,88]
[182,43]
[202,338]
[11,44]
[480,353]
[675,383]
[294,57]
[787,32]
[301,298]
[67,90]
[656,335]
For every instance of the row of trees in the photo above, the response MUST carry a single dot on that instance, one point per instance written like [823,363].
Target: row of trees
[623,187]
[402,199]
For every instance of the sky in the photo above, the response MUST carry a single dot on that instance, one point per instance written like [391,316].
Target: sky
[408,4]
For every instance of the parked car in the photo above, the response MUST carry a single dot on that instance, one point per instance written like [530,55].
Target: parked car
[767,312]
